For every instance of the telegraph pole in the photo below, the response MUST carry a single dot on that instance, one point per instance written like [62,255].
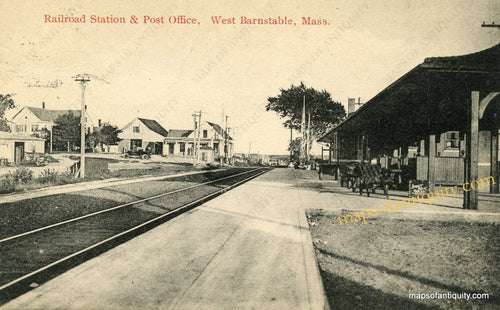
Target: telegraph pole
[229,154]
[303,132]
[308,141]
[225,142]
[195,123]
[196,143]
[83,80]
[199,138]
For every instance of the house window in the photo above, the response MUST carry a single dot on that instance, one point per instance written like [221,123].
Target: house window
[452,140]
[136,129]
[182,147]
[34,128]
[20,128]
[205,133]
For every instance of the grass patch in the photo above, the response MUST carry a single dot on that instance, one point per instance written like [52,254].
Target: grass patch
[376,266]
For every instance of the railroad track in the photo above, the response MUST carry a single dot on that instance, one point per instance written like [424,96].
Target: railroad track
[38,254]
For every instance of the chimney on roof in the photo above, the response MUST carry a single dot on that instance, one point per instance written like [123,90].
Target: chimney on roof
[351,102]
[43,104]
[359,100]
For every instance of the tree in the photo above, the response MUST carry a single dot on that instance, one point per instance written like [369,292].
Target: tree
[6,103]
[66,132]
[325,113]
[105,135]
[294,148]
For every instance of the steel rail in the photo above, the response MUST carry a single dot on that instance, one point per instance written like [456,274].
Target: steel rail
[177,210]
[117,207]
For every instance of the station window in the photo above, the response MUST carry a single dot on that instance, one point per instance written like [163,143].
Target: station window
[136,129]
[452,139]
[205,133]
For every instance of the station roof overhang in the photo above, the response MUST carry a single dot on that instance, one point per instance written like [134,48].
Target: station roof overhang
[432,98]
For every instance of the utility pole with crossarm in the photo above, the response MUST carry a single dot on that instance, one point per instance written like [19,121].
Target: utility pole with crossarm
[83,79]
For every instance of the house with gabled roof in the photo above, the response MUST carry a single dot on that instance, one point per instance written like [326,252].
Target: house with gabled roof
[38,122]
[142,133]
[214,141]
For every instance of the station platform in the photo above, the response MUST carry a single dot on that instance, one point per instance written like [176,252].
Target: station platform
[247,249]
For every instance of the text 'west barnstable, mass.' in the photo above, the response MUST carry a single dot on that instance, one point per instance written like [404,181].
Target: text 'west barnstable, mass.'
[278,20]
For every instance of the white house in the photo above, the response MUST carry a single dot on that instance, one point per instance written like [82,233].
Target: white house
[14,147]
[33,121]
[214,142]
[142,133]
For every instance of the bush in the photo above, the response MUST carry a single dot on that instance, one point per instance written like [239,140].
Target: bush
[22,176]
[48,176]
[7,184]
[66,178]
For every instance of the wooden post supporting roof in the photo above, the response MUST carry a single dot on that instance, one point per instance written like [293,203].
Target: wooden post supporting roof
[471,158]
[494,161]
[337,154]
[368,151]
[359,154]
[330,150]
[431,172]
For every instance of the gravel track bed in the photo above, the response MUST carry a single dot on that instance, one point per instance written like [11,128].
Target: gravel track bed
[21,216]
[27,254]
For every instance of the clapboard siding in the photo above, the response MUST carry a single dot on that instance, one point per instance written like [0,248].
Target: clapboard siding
[448,170]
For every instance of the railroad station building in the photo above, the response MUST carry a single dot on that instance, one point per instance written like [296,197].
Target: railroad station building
[439,122]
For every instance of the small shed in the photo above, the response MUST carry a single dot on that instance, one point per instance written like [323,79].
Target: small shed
[13,147]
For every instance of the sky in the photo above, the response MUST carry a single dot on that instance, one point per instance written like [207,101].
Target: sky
[167,71]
